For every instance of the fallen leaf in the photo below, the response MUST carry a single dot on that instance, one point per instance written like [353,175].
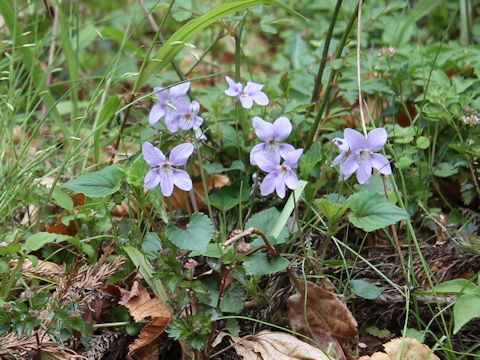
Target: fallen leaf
[267,345]
[403,349]
[141,306]
[327,320]
[180,199]
[43,269]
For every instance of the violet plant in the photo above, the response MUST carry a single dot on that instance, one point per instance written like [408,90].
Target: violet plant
[247,95]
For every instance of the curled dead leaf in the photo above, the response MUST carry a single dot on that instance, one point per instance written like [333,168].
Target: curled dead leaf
[268,345]
[403,349]
[43,269]
[326,320]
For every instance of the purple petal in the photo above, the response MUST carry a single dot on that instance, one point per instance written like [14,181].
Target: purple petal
[376,139]
[280,187]
[338,159]
[234,88]
[282,127]
[182,180]
[180,154]
[364,172]
[263,129]
[253,88]
[349,166]
[156,113]
[380,163]
[152,155]
[246,101]
[284,148]
[291,158]
[166,181]
[172,121]
[267,161]
[355,139]
[259,148]
[268,184]
[179,90]
[161,94]
[260,98]
[292,180]
[152,179]
[341,144]
[194,107]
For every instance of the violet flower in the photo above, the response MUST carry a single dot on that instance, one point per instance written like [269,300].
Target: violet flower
[167,102]
[251,93]
[272,135]
[185,117]
[279,176]
[359,154]
[163,172]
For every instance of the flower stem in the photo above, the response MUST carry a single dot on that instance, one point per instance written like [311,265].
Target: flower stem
[333,72]
[359,73]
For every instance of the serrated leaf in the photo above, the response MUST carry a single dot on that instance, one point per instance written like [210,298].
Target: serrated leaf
[196,236]
[423,142]
[444,170]
[258,264]
[365,290]
[331,210]
[372,211]
[98,183]
[380,333]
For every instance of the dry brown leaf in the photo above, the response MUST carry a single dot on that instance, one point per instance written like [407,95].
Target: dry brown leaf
[43,269]
[141,306]
[327,320]
[403,349]
[180,198]
[267,345]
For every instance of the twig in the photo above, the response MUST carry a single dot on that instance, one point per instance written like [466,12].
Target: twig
[252,231]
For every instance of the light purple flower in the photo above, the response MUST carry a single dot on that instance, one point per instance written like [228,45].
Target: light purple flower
[359,154]
[168,100]
[251,93]
[185,117]
[163,172]
[272,135]
[279,177]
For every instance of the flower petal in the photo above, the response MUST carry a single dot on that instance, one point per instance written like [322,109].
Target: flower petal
[156,113]
[234,88]
[364,172]
[152,179]
[268,184]
[263,129]
[182,180]
[341,144]
[194,107]
[355,139]
[166,181]
[246,101]
[260,98]
[338,159]
[349,166]
[259,148]
[380,163]
[291,158]
[253,88]
[284,148]
[180,89]
[282,127]
[267,162]
[292,180]
[152,155]
[172,120]
[180,154]
[280,187]
[376,139]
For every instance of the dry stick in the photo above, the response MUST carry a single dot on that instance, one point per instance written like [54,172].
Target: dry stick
[323,60]
[326,95]
[252,231]
[51,50]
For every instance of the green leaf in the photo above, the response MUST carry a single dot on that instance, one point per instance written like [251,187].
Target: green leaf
[62,199]
[404,162]
[382,334]
[39,240]
[310,159]
[258,264]
[445,170]
[372,211]
[333,211]
[365,290]
[175,43]
[466,308]
[152,245]
[423,142]
[107,112]
[265,221]
[97,184]
[196,236]
[228,197]
[455,286]
[233,297]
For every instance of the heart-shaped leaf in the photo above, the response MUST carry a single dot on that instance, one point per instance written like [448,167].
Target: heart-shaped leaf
[196,236]
[97,184]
